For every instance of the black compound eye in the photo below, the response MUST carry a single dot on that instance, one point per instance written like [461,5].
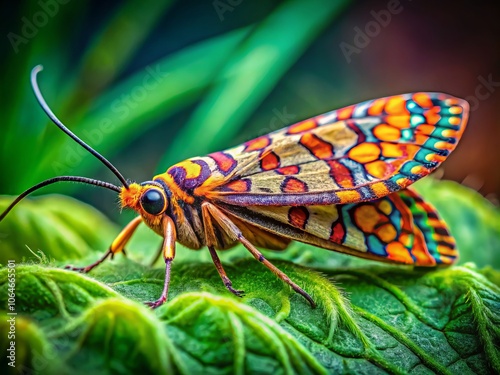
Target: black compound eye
[153,202]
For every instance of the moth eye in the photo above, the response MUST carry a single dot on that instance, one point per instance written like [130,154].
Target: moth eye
[153,202]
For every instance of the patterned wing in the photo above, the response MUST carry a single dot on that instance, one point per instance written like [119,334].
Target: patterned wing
[399,228]
[359,153]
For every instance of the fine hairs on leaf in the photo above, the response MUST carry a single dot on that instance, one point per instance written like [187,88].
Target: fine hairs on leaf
[370,317]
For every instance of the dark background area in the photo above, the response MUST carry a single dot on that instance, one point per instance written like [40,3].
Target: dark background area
[448,46]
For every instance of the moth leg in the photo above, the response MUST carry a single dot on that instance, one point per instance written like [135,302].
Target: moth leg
[227,225]
[211,240]
[118,245]
[227,282]
[258,255]
[168,251]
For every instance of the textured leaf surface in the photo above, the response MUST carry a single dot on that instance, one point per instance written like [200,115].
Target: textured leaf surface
[61,227]
[399,321]
[371,318]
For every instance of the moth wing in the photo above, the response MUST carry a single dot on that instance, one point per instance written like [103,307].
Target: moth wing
[398,228]
[358,153]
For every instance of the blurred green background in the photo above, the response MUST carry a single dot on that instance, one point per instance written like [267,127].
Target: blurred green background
[149,83]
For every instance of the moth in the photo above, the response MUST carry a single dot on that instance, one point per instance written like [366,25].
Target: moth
[339,181]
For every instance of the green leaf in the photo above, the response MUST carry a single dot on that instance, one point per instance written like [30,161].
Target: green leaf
[395,321]
[46,294]
[115,336]
[32,349]
[53,227]
[221,335]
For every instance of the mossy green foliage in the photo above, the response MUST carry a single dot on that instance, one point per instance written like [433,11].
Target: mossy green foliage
[371,318]
[58,223]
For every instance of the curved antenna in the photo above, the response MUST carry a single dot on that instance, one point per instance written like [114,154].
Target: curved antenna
[83,180]
[61,126]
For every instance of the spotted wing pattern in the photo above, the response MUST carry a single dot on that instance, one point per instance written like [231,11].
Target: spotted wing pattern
[399,227]
[336,180]
[358,153]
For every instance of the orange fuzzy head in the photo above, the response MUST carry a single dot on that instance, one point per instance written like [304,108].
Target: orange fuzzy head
[148,199]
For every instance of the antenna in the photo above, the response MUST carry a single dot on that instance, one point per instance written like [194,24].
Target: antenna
[83,180]
[79,179]
[61,126]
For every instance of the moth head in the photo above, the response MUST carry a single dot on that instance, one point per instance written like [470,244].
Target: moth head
[148,199]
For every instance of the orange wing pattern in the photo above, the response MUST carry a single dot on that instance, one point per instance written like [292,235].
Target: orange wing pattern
[399,227]
[358,153]
[337,180]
